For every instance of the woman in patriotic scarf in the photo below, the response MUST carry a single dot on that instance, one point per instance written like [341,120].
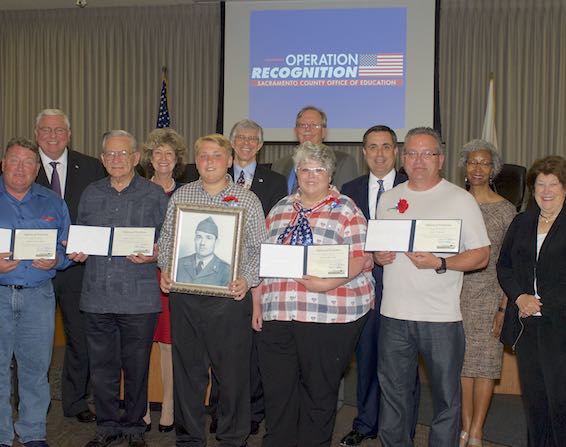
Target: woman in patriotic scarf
[310,326]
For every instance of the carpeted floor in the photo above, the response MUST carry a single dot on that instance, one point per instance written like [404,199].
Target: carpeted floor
[503,424]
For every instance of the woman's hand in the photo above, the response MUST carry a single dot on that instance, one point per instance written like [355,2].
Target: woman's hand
[528,305]
[257,316]
[497,324]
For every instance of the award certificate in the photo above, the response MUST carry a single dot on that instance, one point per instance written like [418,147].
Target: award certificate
[35,244]
[404,235]
[295,261]
[328,261]
[132,241]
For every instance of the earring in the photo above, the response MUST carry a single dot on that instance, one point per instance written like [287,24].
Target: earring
[491,178]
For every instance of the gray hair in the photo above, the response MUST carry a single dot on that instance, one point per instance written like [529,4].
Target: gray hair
[119,133]
[247,124]
[478,145]
[425,131]
[315,152]
[52,112]
[316,109]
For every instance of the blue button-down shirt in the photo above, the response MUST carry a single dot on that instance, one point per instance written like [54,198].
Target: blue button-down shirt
[40,208]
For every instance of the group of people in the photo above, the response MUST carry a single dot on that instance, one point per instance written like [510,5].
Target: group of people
[390,307]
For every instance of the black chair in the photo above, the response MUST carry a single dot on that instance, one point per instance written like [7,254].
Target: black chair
[510,183]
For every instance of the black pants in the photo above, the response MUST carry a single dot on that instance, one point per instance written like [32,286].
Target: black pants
[211,332]
[301,367]
[116,343]
[256,388]
[541,357]
[75,377]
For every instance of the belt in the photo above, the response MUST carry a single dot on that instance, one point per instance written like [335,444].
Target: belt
[14,286]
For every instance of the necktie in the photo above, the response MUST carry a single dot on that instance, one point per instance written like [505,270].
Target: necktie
[380,191]
[241,179]
[199,267]
[55,183]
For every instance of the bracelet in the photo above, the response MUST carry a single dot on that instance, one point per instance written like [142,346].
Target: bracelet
[501,309]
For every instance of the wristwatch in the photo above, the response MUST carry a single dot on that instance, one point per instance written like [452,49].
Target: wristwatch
[442,268]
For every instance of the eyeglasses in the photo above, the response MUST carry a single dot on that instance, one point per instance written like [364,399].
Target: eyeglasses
[56,130]
[244,139]
[314,171]
[306,126]
[111,155]
[425,155]
[475,163]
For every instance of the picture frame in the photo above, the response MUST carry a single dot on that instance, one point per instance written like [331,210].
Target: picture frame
[207,249]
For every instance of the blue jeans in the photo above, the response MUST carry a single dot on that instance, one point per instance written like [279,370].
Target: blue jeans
[27,322]
[442,347]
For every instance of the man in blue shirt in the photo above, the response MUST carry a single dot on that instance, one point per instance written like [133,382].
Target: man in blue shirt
[27,301]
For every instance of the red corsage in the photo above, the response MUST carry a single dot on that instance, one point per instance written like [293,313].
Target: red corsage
[402,206]
[231,200]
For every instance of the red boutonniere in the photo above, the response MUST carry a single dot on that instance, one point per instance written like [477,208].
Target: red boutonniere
[231,200]
[402,206]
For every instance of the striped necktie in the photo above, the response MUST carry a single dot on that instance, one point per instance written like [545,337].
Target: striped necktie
[380,191]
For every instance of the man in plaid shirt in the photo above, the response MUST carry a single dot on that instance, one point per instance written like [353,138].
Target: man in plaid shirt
[210,331]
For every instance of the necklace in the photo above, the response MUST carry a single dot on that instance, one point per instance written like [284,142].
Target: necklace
[546,219]
[171,186]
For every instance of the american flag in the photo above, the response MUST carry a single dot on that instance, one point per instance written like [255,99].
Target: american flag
[163,119]
[382,65]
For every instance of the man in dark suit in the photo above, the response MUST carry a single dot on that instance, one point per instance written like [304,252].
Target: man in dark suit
[203,266]
[380,153]
[310,125]
[68,173]
[246,138]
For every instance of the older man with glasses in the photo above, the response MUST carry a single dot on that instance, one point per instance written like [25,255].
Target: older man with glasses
[420,308]
[311,125]
[68,173]
[120,295]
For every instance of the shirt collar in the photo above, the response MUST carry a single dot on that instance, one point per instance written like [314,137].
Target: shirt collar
[45,160]
[249,170]
[388,179]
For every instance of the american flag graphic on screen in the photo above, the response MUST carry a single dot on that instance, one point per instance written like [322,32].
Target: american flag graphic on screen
[380,65]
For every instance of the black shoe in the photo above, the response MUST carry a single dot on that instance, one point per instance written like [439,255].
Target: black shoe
[355,438]
[102,440]
[165,428]
[40,443]
[136,440]
[148,427]
[213,424]
[254,428]
[86,416]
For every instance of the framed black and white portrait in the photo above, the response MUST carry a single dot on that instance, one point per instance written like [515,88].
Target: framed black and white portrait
[206,249]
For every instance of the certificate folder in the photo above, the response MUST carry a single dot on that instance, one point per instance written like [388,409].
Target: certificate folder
[110,241]
[295,261]
[406,235]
